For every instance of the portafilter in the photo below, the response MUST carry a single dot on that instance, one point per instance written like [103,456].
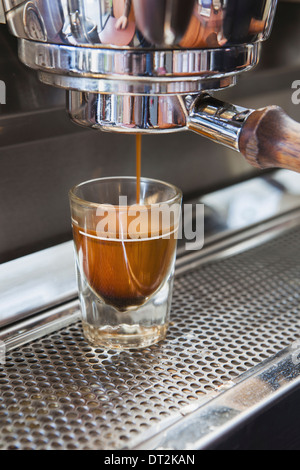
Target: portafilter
[146,66]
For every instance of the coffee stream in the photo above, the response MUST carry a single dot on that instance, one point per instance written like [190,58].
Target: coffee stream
[125,273]
[138,167]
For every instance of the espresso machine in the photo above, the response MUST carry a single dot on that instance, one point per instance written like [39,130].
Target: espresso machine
[228,374]
[146,66]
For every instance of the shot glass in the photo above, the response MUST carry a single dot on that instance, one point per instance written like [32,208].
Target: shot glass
[125,258]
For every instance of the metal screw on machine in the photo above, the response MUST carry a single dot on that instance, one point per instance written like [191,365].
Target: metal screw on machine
[130,65]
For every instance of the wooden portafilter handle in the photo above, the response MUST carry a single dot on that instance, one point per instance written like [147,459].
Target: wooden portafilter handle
[267,137]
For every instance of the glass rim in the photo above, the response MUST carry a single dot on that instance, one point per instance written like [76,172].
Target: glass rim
[74,198]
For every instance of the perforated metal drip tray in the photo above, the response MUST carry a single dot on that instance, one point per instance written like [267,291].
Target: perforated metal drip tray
[231,350]
[229,318]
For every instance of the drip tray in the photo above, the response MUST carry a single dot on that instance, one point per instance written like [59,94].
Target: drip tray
[231,347]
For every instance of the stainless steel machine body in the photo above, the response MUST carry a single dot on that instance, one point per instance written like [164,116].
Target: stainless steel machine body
[232,351]
[135,65]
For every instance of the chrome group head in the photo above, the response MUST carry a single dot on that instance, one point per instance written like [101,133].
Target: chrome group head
[136,65]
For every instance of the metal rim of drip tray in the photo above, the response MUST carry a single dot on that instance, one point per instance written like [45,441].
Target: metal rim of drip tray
[232,351]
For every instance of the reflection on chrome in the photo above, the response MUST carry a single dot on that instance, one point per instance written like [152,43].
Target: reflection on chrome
[130,65]
[142,23]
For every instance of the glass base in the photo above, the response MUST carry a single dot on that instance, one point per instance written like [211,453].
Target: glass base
[106,327]
[124,336]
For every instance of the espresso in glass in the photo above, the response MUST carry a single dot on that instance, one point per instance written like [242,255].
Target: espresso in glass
[125,273]
[125,257]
